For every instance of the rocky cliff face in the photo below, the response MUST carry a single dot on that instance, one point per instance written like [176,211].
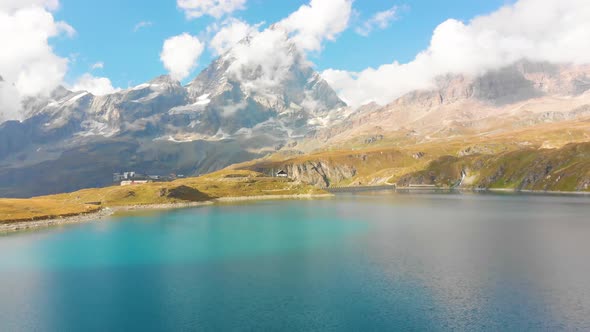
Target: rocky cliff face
[335,170]
[320,173]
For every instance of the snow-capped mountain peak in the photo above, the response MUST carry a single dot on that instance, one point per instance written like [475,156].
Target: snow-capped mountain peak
[246,103]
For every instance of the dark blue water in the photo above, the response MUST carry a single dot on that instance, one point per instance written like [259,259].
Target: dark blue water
[369,262]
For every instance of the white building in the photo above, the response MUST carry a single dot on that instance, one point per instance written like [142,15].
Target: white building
[134,182]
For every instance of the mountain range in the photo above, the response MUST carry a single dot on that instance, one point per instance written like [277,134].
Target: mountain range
[240,110]
[522,127]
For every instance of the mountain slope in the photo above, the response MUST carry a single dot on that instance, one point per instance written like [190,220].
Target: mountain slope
[516,96]
[423,137]
[548,156]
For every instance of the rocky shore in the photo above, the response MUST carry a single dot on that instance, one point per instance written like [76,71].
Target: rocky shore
[161,206]
[28,225]
[540,192]
[270,197]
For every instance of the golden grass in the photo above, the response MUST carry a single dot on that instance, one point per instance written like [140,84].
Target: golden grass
[226,183]
[391,158]
[12,210]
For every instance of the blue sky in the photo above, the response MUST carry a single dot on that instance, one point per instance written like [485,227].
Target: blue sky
[105,33]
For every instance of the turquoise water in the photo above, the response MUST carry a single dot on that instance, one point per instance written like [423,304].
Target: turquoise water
[374,261]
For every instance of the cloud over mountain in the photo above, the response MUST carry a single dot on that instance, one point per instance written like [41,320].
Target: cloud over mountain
[229,33]
[320,20]
[180,54]
[98,86]
[265,59]
[538,30]
[28,63]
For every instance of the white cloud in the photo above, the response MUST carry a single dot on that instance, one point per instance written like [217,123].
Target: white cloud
[231,32]
[9,102]
[265,61]
[98,86]
[380,20]
[98,65]
[215,8]
[141,25]
[13,5]
[27,62]
[180,54]
[538,30]
[320,20]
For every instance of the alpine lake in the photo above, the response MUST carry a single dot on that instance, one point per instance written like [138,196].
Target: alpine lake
[374,261]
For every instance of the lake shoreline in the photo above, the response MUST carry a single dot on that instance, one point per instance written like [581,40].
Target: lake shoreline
[18,226]
[546,192]
[492,190]
[102,214]
[107,212]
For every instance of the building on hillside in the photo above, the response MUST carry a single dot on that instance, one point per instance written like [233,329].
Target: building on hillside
[117,177]
[129,178]
[134,182]
[282,174]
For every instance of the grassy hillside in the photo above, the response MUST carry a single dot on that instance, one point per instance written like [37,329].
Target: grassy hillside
[543,157]
[563,169]
[227,183]
[40,208]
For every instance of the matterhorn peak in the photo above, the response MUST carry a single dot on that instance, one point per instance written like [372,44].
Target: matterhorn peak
[60,92]
[164,79]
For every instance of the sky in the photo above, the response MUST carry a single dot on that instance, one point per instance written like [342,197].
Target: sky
[368,50]
[132,56]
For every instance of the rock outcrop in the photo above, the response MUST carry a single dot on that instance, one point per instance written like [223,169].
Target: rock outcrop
[320,173]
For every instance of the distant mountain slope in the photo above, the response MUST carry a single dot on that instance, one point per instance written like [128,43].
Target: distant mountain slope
[480,125]
[519,95]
